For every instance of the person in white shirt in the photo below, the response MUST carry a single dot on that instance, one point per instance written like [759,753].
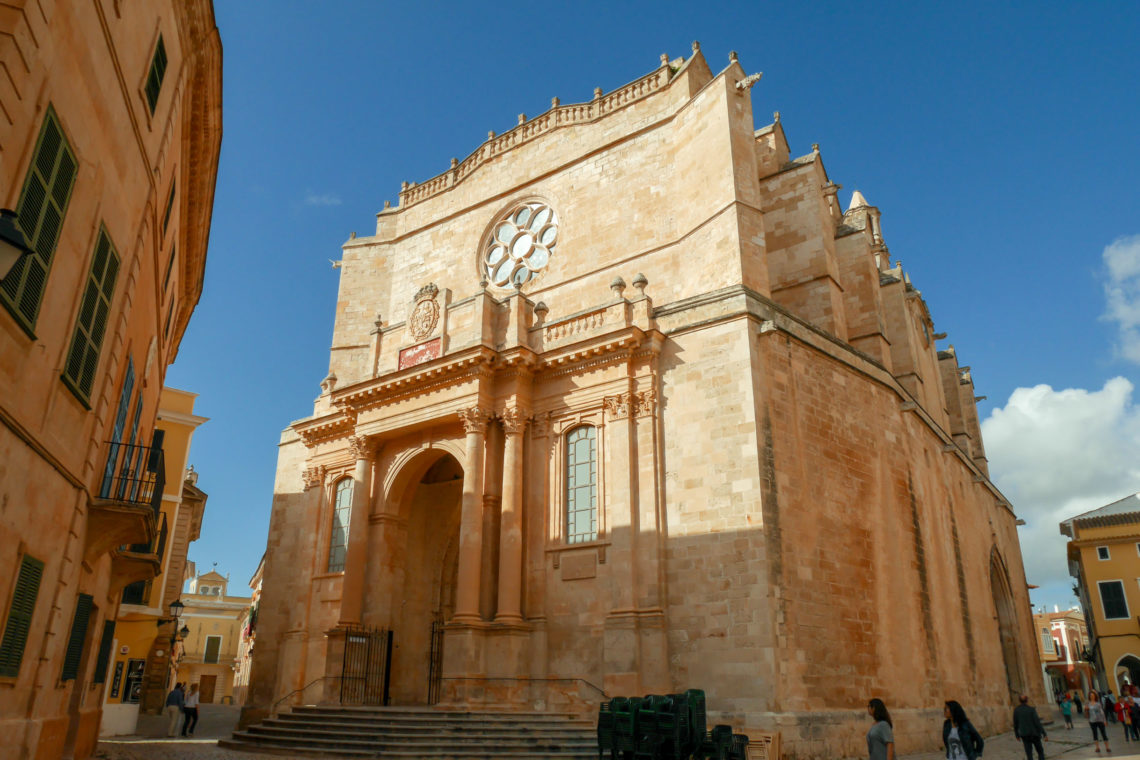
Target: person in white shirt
[190,711]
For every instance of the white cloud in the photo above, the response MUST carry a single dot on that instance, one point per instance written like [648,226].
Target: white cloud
[324,199]
[1056,454]
[1122,293]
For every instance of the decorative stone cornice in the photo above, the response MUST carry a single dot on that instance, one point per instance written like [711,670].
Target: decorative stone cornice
[514,420]
[474,419]
[312,477]
[415,381]
[329,427]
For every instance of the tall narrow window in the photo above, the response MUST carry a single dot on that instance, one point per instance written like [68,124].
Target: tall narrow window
[169,269]
[41,209]
[117,430]
[104,652]
[87,341]
[155,75]
[1112,599]
[581,485]
[20,616]
[342,509]
[213,647]
[169,208]
[75,641]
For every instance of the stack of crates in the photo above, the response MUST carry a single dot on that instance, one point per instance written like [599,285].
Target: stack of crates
[605,730]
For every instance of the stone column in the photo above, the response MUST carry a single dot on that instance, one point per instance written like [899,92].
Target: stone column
[471,518]
[352,592]
[510,529]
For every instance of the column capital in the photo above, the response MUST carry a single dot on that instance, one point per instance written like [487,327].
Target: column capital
[618,407]
[361,447]
[514,420]
[646,403]
[312,477]
[474,419]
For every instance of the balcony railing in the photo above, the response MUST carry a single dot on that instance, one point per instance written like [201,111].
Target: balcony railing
[156,547]
[134,474]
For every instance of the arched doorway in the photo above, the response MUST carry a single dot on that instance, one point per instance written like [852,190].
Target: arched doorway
[1007,626]
[425,566]
[1127,672]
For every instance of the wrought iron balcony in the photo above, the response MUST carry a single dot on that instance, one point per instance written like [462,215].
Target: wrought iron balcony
[134,474]
[129,500]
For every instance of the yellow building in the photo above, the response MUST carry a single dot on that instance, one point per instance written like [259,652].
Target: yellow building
[1104,557]
[214,619]
[145,646]
[109,146]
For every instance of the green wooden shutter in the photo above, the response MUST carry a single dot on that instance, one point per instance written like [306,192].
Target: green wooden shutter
[156,74]
[87,341]
[41,209]
[78,635]
[20,616]
[104,651]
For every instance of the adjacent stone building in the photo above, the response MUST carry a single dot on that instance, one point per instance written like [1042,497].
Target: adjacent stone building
[625,403]
[110,130]
[210,646]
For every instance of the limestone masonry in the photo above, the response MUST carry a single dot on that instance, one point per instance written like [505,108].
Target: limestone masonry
[625,403]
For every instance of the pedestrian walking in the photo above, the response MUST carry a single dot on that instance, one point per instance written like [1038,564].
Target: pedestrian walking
[174,702]
[190,711]
[1067,710]
[881,738]
[1109,706]
[1077,704]
[1096,721]
[961,739]
[1124,715]
[1027,727]
[1133,708]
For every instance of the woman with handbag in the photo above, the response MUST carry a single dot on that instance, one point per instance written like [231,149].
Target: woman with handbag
[961,740]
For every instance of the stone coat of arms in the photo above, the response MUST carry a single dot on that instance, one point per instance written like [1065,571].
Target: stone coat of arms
[425,313]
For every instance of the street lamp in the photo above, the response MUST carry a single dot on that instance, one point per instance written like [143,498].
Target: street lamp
[13,244]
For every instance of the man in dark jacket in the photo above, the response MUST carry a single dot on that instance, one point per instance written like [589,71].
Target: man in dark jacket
[1027,727]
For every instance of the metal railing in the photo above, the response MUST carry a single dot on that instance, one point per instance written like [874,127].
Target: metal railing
[134,474]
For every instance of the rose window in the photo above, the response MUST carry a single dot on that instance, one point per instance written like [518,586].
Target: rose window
[520,245]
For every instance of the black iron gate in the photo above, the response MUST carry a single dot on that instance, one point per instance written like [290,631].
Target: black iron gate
[367,665]
[435,669]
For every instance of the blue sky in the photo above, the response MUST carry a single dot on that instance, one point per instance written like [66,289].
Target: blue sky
[999,141]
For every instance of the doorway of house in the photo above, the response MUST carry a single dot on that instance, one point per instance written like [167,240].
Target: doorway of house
[206,689]
[429,563]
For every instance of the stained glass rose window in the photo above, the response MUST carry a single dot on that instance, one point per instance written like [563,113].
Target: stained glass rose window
[520,245]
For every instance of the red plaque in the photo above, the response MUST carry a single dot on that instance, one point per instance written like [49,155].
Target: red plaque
[424,352]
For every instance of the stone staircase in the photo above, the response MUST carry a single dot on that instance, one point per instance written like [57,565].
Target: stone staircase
[420,733]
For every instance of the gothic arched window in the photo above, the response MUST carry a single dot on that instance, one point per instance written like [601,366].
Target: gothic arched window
[338,540]
[581,484]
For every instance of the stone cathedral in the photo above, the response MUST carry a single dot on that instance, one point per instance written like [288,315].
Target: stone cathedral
[625,403]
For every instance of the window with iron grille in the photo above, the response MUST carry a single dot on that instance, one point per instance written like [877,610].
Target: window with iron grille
[137,593]
[581,485]
[117,429]
[342,510]
[87,341]
[20,611]
[156,74]
[83,606]
[40,210]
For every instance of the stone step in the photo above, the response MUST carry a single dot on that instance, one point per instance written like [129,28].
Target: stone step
[468,754]
[341,729]
[420,733]
[418,739]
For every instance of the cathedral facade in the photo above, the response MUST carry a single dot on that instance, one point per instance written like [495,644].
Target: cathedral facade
[625,403]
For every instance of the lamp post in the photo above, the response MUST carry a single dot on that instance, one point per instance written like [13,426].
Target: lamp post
[13,244]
